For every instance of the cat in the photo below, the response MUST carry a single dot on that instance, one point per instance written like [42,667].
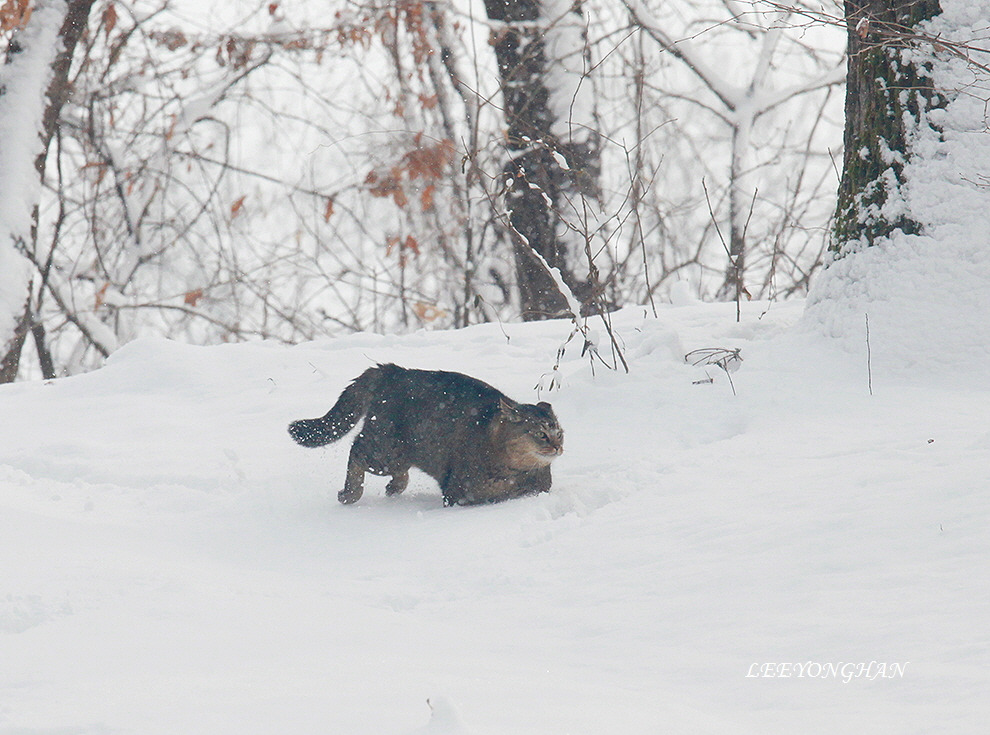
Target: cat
[478,444]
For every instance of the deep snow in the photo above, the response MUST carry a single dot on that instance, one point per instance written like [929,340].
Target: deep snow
[172,562]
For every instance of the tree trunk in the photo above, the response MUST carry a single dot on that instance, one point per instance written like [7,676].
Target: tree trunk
[542,131]
[46,41]
[885,94]
[733,287]
[12,355]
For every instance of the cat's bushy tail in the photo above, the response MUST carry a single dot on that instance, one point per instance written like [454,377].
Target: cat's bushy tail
[349,408]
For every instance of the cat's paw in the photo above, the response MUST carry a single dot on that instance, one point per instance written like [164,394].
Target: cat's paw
[348,496]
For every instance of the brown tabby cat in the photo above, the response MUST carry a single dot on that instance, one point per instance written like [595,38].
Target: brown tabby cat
[481,446]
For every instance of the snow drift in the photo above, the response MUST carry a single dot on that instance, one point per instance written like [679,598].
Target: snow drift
[173,562]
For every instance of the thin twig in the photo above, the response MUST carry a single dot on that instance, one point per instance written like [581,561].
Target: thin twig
[869,356]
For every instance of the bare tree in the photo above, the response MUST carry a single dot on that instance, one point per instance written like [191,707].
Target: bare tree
[162,218]
[269,171]
[552,143]
[34,86]
[740,106]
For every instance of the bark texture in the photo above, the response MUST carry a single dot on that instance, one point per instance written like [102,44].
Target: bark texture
[539,186]
[886,96]
[56,94]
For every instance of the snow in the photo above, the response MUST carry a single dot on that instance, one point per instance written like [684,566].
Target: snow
[174,563]
[571,97]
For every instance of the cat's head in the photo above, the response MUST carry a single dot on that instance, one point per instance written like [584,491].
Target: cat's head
[533,434]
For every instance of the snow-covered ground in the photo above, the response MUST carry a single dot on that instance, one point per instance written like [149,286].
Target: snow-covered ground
[170,562]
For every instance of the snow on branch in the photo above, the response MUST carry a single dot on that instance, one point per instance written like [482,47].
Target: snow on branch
[736,98]
[23,81]
[729,95]
[98,334]
[829,79]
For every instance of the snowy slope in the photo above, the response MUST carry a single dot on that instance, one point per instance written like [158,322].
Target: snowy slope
[170,562]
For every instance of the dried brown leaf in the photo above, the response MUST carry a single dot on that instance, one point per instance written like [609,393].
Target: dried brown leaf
[109,18]
[101,295]
[15,14]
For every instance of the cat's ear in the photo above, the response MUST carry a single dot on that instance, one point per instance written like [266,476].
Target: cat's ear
[547,409]
[509,410]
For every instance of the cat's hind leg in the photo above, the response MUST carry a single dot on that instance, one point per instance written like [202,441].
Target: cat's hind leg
[354,482]
[398,483]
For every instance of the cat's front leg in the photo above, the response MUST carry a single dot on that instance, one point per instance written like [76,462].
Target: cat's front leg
[478,491]
[453,488]
[539,481]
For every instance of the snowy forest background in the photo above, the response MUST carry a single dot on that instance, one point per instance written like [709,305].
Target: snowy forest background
[289,170]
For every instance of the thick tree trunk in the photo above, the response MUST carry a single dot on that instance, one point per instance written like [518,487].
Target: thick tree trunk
[885,96]
[31,47]
[538,139]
